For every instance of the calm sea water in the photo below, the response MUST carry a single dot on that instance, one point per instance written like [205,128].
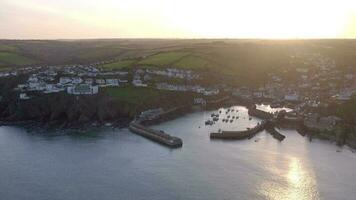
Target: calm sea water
[115,164]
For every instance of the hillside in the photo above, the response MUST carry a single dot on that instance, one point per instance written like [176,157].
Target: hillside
[236,60]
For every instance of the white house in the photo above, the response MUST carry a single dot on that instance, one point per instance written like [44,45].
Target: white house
[138,83]
[199,101]
[83,89]
[112,82]
[24,96]
[33,79]
[65,80]
[151,114]
[349,76]
[52,88]
[89,81]
[21,87]
[344,96]
[302,70]
[209,92]
[77,80]
[100,81]
[291,97]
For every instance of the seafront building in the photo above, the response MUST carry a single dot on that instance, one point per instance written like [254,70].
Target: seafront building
[83,89]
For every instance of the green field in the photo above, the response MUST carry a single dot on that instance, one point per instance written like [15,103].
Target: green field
[191,62]
[132,94]
[119,65]
[166,58]
[14,59]
[4,68]
[4,47]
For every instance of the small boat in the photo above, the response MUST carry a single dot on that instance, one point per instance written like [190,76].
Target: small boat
[209,122]
[214,115]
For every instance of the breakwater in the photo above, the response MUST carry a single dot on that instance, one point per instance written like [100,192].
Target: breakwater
[166,115]
[156,135]
[139,126]
[238,135]
[277,135]
[253,111]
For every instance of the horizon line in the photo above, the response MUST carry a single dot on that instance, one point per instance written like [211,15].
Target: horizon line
[178,38]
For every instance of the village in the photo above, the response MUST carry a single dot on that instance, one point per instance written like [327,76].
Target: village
[313,89]
[87,80]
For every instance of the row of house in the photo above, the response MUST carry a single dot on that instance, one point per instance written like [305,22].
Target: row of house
[83,89]
[171,73]
[188,88]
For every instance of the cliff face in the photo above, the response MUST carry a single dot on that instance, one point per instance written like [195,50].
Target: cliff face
[62,108]
[66,110]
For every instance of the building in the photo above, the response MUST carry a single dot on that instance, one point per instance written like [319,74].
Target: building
[65,80]
[344,95]
[210,92]
[24,96]
[315,121]
[199,101]
[138,83]
[77,80]
[112,82]
[53,88]
[291,97]
[83,89]
[21,87]
[100,81]
[349,76]
[89,81]
[151,114]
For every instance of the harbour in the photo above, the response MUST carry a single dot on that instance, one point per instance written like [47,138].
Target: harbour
[114,163]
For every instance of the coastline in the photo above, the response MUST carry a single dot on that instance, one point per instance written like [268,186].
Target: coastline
[176,112]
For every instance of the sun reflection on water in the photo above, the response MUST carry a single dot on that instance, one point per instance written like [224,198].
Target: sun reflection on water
[295,182]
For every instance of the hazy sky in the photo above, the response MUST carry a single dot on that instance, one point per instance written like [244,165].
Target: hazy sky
[57,19]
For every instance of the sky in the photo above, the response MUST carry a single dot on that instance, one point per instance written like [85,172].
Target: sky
[79,19]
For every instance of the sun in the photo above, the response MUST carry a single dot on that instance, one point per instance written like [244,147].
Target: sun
[263,19]
[275,19]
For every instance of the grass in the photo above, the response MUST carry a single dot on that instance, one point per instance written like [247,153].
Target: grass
[166,58]
[119,65]
[132,94]
[14,59]
[4,68]
[177,59]
[4,47]
[191,62]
